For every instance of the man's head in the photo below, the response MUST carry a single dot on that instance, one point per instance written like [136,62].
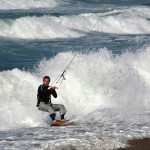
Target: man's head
[46,80]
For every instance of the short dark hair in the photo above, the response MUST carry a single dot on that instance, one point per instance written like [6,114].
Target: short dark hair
[46,77]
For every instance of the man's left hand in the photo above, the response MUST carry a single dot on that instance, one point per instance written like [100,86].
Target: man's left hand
[53,87]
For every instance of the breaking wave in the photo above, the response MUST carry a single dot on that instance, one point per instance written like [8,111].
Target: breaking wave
[134,20]
[95,81]
[35,28]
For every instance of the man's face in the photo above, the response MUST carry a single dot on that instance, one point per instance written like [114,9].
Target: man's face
[46,82]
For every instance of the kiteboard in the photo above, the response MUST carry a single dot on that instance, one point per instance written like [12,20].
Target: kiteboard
[62,123]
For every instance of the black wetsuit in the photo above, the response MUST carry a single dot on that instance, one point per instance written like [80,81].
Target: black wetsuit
[44,94]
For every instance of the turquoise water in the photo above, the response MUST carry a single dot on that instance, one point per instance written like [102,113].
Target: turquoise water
[20,48]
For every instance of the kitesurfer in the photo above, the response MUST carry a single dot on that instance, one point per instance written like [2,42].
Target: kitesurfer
[44,100]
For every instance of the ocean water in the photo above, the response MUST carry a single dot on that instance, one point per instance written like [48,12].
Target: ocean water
[107,86]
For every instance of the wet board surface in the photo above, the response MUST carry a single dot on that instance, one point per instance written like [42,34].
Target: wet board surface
[63,123]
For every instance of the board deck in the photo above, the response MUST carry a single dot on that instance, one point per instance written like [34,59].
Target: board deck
[62,123]
[69,123]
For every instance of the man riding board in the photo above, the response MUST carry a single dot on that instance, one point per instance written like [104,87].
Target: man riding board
[44,100]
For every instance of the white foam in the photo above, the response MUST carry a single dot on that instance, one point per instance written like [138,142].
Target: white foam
[17,99]
[26,4]
[127,21]
[133,20]
[96,80]
[35,28]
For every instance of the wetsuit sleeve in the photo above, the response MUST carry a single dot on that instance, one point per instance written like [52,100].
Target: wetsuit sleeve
[38,97]
[38,101]
[53,92]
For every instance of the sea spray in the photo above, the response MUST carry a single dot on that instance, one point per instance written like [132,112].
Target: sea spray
[94,81]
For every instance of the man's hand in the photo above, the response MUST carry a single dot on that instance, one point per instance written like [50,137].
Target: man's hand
[53,88]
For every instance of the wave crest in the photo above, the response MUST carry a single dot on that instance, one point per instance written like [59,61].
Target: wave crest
[127,21]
